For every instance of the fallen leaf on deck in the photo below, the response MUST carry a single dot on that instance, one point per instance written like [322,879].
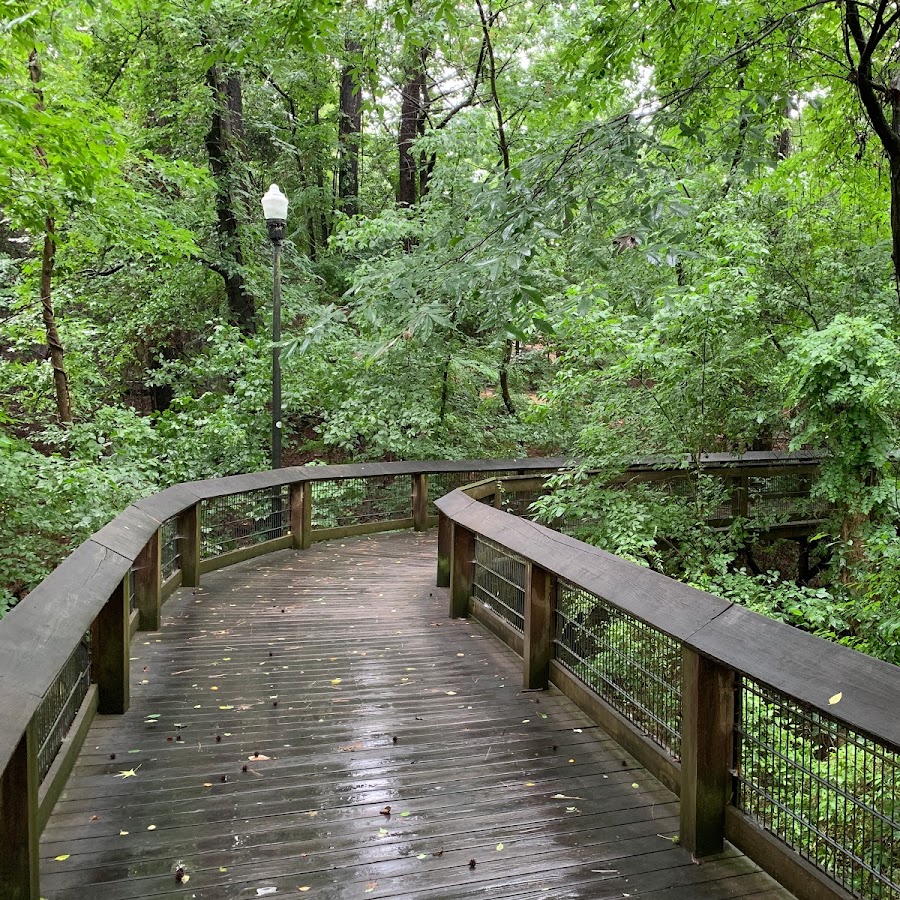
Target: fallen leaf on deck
[421,856]
[335,680]
[304,889]
[382,832]
[127,773]
[836,698]
[499,847]
[63,858]
[405,814]
[226,707]
[151,828]
[634,784]
[451,693]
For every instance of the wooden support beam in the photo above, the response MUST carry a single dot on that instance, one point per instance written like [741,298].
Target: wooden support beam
[189,537]
[111,653]
[301,514]
[147,576]
[19,830]
[420,501]
[462,571]
[296,504]
[540,596]
[445,538]
[707,741]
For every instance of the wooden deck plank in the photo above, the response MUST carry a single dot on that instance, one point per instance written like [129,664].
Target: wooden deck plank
[361,654]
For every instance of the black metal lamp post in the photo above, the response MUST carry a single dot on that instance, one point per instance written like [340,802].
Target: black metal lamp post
[275,206]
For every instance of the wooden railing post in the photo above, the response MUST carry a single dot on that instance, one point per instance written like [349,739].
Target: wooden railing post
[540,593]
[189,535]
[420,501]
[111,653]
[148,583]
[301,514]
[445,550]
[462,571]
[707,740]
[19,831]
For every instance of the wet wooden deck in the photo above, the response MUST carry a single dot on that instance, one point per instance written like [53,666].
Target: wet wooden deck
[340,668]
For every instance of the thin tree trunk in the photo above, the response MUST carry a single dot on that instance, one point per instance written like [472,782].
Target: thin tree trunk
[445,390]
[224,147]
[320,184]
[504,378]
[872,95]
[502,143]
[48,255]
[349,132]
[54,344]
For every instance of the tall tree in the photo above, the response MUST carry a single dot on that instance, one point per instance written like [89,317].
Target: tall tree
[48,256]
[224,145]
[349,129]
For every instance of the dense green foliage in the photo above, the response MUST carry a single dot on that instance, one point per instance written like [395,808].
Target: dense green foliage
[603,230]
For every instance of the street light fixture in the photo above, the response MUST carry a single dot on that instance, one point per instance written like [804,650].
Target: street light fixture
[275,206]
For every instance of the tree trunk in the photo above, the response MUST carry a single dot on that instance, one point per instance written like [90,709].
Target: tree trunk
[224,142]
[411,115]
[54,345]
[48,255]
[880,102]
[349,133]
[320,184]
[504,379]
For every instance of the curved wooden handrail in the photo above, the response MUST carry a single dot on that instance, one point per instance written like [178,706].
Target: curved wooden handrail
[88,589]
[37,636]
[793,662]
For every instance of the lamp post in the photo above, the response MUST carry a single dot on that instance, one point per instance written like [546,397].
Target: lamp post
[275,206]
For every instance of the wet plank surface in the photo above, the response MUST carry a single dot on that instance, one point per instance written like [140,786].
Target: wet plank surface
[335,677]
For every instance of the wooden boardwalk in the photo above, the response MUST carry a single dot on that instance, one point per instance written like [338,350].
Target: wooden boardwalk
[339,667]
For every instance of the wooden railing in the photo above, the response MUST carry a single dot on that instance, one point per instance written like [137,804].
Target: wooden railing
[64,651]
[785,744]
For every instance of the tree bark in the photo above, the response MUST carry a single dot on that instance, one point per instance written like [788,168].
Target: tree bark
[411,122]
[349,132]
[880,102]
[48,256]
[504,378]
[224,146]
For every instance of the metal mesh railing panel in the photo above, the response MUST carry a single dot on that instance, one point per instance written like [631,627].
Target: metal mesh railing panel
[60,705]
[440,483]
[632,666]
[828,792]
[518,503]
[499,582]
[781,495]
[343,502]
[243,520]
[171,549]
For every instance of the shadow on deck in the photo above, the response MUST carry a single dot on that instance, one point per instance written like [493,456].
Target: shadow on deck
[339,667]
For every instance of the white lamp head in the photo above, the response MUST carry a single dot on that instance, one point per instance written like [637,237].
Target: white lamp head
[275,205]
